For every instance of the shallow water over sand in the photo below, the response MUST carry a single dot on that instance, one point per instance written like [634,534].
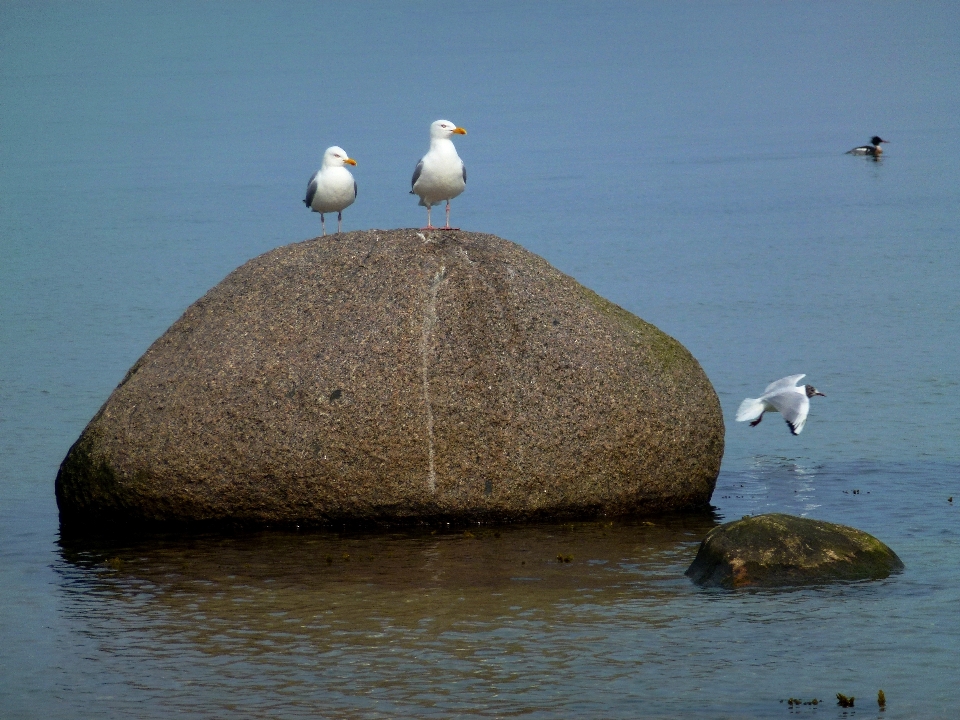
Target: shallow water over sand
[503,621]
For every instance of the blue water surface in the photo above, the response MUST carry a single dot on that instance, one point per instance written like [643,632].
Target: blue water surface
[684,159]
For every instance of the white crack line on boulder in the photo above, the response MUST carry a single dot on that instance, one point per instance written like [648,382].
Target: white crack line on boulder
[429,321]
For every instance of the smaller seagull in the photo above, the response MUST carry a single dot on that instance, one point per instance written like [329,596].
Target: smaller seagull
[440,175]
[782,396]
[873,148]
[332,188]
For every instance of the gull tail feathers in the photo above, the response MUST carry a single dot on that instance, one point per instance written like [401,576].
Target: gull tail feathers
[750,409]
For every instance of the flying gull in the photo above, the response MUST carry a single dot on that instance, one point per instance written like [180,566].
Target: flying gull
[440,175]
[332,188]
[782,396]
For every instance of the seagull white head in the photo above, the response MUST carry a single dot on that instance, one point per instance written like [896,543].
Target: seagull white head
[336,156]
[440,129]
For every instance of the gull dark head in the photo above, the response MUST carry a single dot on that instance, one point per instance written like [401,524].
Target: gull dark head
[445,129]
[876,140]
[337,157]
[811,391]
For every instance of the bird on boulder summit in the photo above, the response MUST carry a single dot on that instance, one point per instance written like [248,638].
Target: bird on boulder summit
[332,188]
[440,175]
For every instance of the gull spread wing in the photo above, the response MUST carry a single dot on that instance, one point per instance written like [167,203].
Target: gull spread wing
[794,407]
[783,383]
[750,409]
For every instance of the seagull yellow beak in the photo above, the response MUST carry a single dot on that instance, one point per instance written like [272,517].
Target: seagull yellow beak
[350,161]
[459,131]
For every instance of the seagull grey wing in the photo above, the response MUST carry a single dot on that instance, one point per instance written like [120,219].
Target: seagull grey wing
[794,407]
[311,190]
[464,172]
[354,189]
[416,175]
[784,383]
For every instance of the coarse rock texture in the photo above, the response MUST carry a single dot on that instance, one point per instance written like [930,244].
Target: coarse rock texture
[778,550]
[397,376]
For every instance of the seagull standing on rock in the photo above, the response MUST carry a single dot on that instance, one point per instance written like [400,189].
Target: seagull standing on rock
[782,396]
[440,175]
[332,188]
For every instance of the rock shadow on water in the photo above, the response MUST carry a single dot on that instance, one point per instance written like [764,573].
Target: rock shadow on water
[267,579]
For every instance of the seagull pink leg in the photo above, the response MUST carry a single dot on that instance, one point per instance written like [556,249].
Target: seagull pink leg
[429,224]
[323,225]
[447,226]
[339,222]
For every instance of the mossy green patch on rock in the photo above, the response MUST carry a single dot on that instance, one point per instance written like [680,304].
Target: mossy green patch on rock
[666,352]
[399,376]
[778,550]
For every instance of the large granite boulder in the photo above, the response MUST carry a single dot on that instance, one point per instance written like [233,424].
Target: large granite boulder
[778,550]
[386,376]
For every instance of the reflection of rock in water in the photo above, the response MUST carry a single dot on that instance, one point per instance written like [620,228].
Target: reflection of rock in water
[404,576]
[378,377]
[408,623]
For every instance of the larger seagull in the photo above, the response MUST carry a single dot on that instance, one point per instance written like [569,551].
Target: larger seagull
[782,396]
[440,175]
[332,188]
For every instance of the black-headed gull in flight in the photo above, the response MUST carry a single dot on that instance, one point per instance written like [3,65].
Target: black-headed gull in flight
[440,175]
[783,396]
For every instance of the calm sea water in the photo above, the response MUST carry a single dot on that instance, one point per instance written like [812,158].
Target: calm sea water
[685,160]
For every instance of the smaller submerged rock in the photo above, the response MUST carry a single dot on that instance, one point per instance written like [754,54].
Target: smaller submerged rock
[778,550]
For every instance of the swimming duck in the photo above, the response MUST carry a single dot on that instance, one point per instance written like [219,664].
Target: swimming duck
[872,149]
